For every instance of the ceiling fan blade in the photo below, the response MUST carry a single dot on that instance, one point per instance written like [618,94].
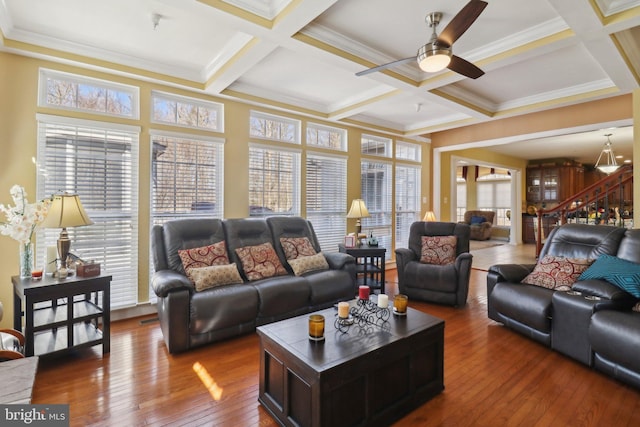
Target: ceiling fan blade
[461,22]
[385,66]
[464,67]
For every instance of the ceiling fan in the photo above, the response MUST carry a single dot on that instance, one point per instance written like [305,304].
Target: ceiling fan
[437,54]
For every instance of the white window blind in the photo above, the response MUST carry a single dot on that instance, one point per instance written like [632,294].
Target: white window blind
[99,162]
[274,181]
[407,201]
[186,176]
[327,198]
[461,199]
[376,191]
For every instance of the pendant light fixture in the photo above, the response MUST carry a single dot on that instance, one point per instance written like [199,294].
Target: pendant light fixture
[607,160]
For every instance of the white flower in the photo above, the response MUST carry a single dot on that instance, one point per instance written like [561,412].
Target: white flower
[23,218]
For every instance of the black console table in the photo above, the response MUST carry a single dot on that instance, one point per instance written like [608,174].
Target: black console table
[62,315]
[369,265]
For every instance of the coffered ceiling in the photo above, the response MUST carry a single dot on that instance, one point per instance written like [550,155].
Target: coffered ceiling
[302,55]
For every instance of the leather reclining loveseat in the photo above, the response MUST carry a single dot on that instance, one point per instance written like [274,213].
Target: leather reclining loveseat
[593,322]
[190,318]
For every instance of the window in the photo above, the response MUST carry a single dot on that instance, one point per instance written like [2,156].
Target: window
[186,176]
[407,201]
[376,191]
[274,176]
[376,146]
[494,194]
[188,112]
[327,198]
[408,151]
[72,92]
[461,197]
[326,137]
[274,128]
[98,161]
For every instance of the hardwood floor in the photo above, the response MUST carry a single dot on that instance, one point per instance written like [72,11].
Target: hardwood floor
[493,377]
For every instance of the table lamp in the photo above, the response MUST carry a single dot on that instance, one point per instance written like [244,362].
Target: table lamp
[65,211]
[358,210]
[429,216]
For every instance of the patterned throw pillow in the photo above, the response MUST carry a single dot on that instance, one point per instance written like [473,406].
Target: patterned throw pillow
[304,264]
[260,262]
[557,273]
[205,256]
[620,272]
[215,275]
[439,250]
[296,247]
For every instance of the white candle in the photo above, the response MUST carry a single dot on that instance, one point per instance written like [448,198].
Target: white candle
[50,263]
[343,310]
[383,301]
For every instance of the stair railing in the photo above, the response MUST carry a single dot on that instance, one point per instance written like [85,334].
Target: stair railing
[595,195]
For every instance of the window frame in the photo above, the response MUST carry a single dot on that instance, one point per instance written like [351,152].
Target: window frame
[343,146]
[296,180]
[45,74]
[124,285]
[211,105]
[282,120]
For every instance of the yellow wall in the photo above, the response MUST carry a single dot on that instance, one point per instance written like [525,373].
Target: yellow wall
[18,139]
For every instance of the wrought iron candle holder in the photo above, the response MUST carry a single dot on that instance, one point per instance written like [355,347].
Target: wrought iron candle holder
[365,313]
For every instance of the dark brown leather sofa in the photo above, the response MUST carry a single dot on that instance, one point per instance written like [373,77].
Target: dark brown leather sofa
[593,323]
[189,319]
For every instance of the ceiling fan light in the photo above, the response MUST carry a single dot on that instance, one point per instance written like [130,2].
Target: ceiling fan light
[433,58]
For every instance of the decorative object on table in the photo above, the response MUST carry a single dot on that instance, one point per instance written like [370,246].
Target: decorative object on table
[372,241]
[22,220]
[87,269]
[363,292]
[365,313]
[65,211]
[344,319]
[350,241]
[429,216]
[358,210]
[400,302]
[316,327]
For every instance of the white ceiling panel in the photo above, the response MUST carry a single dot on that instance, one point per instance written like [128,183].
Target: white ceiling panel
[303,55]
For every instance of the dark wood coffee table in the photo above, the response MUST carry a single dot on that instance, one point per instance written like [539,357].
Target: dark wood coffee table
[370,376]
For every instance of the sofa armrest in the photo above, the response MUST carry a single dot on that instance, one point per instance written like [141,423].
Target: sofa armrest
[403,257]
[165,281]
[513,273]
[608,293]
[338,260]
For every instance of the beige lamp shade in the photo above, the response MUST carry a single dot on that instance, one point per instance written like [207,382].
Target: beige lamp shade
[66,211]
[358,209]
[429,216]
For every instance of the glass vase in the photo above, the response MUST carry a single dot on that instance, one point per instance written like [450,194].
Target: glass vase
[26,260]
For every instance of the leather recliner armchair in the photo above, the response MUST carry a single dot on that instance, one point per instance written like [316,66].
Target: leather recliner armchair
[444,284]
